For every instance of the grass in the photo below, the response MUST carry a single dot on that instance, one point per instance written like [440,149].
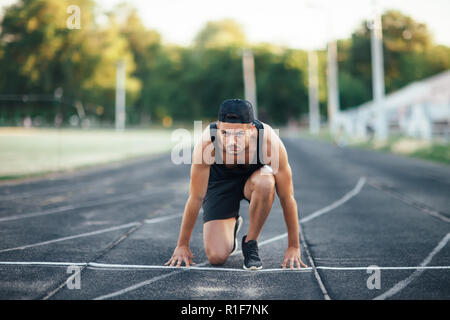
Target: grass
[436,151]
[33,152]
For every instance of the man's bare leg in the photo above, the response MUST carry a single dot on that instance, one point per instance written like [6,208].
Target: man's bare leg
[260,190]
[218,239]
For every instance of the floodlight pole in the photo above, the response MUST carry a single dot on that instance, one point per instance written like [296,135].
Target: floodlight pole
[333,84]
[313,93]
[248,68]
[120,96]
[376,41]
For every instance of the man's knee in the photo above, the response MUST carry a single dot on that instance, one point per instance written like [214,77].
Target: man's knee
[216,257]
[264,185]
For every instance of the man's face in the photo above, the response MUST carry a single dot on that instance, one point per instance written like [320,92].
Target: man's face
[234,137]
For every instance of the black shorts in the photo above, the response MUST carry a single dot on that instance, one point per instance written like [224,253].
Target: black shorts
[223,197]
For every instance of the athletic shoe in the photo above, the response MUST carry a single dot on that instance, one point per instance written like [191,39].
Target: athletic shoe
[251,257]
[237,227]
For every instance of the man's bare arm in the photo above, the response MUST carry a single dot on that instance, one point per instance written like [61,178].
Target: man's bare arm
[285,192]
[197,191]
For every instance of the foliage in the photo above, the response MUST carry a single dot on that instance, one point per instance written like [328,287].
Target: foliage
[39,54]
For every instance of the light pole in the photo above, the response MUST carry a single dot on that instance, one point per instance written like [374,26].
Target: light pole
[332,73]
[120,96]
[313,93]
[333,84]
[248,69]
[376,45]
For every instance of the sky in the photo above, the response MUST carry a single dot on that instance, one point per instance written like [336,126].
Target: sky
[304,24]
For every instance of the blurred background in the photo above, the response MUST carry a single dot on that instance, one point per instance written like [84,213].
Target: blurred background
[85,82]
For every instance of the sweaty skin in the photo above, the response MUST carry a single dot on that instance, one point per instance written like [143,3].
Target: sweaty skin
[235,146]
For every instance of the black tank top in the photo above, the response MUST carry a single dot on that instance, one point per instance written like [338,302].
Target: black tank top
[219,171]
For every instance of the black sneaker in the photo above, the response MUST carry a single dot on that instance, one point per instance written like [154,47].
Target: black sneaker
[237,227]
[251,257]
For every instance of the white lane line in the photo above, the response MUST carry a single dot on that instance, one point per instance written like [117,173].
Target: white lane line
[96,183]
[315,214]
[337,203]
[87,234]
[140,284]
[273,239]
[67,208]
[415,204]
[50,190]
[91,203]
[402,284]
[112,266]
[325,293]
[385,268]
[40,263]
[110,246]
[318,213]
[134,287]
[161,219]
[262,243]
[158,267]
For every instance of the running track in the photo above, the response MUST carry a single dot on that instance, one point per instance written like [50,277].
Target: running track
[112,228]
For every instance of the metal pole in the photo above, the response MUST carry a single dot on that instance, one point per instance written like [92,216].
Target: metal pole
[120,96]
[313,93]
[333,84]
[376,41]
[248,67]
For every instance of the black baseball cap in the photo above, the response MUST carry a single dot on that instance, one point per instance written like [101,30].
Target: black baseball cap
[236,111]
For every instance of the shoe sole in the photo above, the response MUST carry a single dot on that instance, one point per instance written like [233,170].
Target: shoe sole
[253,268]
[236,244]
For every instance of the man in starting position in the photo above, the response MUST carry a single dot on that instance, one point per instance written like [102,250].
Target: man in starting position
[237,158]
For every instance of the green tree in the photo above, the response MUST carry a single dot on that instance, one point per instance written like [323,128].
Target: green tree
[145,46]
[281,77]
[41,54]
[405,45]
[223,33]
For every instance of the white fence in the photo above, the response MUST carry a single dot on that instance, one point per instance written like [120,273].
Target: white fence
[421,110]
